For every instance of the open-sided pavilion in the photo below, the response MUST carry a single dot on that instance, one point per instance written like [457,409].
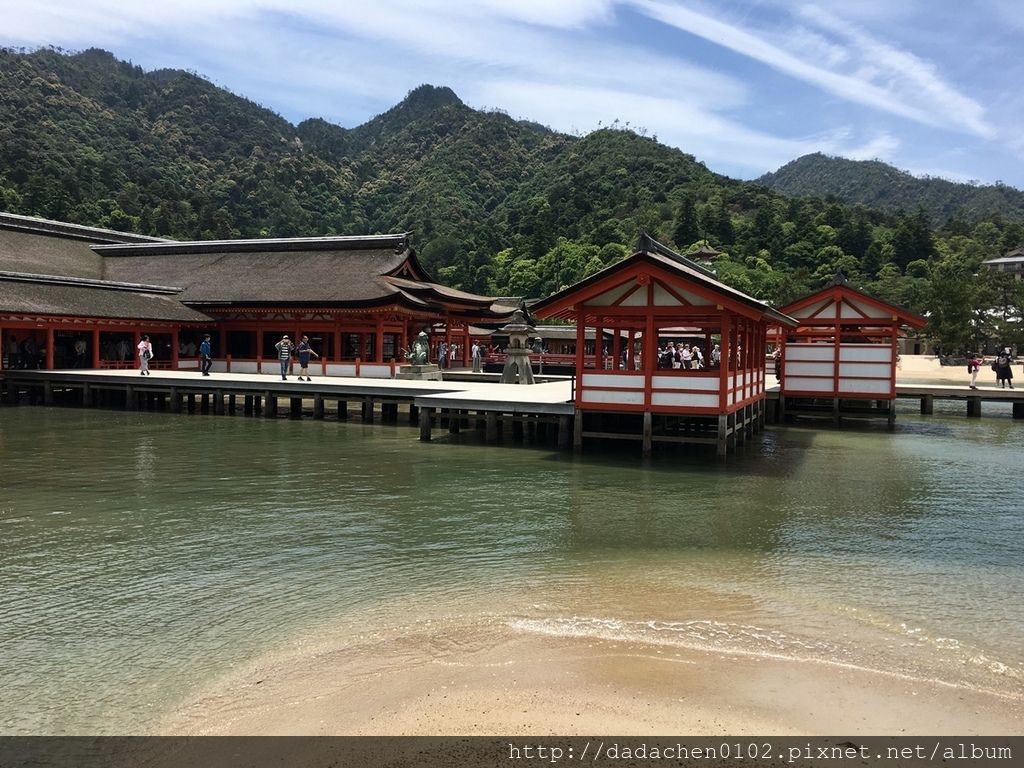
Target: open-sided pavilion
[656,293]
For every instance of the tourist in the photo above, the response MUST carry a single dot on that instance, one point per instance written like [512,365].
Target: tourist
[304,350]
[698,357]
[80,349]
[145,355]
[13,353]
[284,353]
[673,356]
[777,360]
[29,353]
[206,354]
[1002,367]
[686,357]
[477,357]
[973,366]
[442,355]
[716,356]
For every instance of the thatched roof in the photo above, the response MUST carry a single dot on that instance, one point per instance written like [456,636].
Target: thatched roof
[53,295]
[356,271]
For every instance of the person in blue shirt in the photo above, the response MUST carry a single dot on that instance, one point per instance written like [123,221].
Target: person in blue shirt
[304,350]
[206,354]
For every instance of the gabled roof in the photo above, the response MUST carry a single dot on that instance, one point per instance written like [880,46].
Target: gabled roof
[364,271]
[667,265]
[292,270]
[839,300]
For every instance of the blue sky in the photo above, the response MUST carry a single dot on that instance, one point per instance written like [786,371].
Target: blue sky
[930,86]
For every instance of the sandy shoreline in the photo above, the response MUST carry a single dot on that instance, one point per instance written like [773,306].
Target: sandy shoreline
[425,682]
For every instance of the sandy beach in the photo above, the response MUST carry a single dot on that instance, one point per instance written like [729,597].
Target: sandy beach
[473,677]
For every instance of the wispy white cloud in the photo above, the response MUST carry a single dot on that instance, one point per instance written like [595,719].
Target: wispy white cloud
[909,87]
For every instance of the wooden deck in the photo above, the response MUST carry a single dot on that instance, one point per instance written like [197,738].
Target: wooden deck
[927,394]
[544,411]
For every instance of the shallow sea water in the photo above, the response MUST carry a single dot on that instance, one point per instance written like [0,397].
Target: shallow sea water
[145,555]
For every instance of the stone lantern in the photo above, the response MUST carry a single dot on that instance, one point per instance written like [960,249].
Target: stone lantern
[517,368]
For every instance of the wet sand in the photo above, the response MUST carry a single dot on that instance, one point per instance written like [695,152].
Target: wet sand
[426,682]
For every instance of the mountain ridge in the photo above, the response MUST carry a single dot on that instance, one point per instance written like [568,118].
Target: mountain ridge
[883,186]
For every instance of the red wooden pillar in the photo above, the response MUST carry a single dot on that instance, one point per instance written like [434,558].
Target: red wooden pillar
[49,348]
[599,347]
[466,341]
[581,346]
[259,349]
[724,364]
[838,338]
[337,340]
[616,348]
[378,352]
[95,347]
[649,356]
[175,333]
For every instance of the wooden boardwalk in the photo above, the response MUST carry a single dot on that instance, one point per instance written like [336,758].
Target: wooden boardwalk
[543,411]
[430,402]
[927,394]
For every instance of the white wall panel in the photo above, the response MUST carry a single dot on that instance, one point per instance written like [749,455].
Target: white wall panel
[616,398]
[874,370]
[375,371]
[709,383]
[808,385]
[808,369]
[685,400]
[870,386]
[865,353]
[810,352]
[620,381]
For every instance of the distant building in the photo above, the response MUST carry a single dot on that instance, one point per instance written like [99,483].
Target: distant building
[1012,263]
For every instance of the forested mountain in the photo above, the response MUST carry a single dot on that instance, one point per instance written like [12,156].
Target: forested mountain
[497,205]
[876,184]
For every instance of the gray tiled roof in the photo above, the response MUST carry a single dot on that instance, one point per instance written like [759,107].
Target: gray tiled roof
[20,294]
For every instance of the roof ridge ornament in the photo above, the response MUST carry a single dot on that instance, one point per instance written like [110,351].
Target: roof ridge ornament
[840,278]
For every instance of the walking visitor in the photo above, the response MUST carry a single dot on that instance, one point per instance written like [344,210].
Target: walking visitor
[1002,367]
[206,354]
[304,350]
[284,353]
[973,366]
[145,355]
[477,357]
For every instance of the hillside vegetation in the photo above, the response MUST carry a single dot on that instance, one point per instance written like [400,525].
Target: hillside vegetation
[496,205]
[875,184]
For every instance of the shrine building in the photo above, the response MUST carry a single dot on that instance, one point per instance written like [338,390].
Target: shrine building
[361,300]
[651,297]
[842,357]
